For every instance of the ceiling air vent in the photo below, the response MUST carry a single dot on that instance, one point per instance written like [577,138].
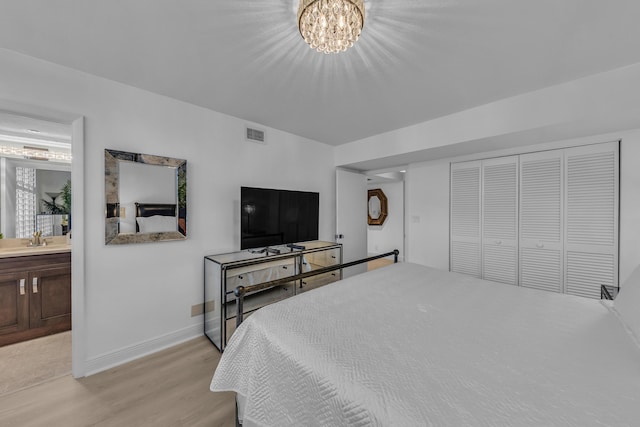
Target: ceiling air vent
[255,135]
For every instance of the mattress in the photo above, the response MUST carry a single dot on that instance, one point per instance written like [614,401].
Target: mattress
[411,345]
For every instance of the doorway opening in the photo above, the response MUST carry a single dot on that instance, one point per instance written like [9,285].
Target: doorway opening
[35,249]
[386,202]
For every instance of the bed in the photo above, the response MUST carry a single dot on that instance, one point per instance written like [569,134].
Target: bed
[408,345]
[158,217]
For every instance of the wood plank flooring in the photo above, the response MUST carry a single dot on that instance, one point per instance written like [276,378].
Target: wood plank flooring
[168,388]
[27,363]
[378,263]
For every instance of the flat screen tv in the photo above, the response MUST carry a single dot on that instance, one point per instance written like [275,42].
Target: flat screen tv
[274,217]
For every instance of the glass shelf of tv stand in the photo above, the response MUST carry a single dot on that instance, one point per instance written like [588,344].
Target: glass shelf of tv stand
[223,272]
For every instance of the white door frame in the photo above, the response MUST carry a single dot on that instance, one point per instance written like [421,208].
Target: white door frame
[353,246]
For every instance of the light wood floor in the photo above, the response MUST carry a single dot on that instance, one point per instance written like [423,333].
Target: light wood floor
[168,388]
[378,263]
[34,361]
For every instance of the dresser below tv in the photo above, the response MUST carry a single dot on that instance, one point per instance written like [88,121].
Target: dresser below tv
[224,272]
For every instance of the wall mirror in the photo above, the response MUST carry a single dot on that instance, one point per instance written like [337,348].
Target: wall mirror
[377,207]
[146,198]
[35,177]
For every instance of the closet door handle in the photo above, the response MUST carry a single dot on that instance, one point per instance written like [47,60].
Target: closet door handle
[22,291]
[540,245]
[34,284]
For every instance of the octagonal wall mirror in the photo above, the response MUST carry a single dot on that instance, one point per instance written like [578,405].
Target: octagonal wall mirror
[146,198]
[377,207]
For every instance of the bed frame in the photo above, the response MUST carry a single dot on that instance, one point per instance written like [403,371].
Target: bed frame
[241,291]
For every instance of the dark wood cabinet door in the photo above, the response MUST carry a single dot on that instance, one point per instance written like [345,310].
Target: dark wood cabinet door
[50,298]
[14,303]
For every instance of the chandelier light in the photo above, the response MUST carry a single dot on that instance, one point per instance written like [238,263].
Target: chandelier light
[331,26]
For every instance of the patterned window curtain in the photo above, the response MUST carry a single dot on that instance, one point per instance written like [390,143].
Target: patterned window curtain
[26,202]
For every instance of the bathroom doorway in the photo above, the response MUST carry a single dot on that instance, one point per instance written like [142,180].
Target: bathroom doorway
[35,224]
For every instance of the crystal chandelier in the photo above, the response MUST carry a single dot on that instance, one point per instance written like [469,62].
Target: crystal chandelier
[331,26]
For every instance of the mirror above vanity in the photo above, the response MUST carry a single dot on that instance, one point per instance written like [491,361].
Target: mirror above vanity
[35,177]
[146,198]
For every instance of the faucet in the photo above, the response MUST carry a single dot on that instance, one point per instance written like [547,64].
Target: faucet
[35,241]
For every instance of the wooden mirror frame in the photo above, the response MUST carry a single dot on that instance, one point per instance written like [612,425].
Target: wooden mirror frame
[377,192]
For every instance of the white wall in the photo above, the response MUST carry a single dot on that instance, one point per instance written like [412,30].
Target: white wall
[428,202]
[629,203]
[390,235]
[427,216]
[138,297]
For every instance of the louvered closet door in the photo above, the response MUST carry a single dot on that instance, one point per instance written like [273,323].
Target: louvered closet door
[465,218]
[591,218]
[541,221]
[500,220]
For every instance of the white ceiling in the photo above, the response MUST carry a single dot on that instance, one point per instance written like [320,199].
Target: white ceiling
[20,132]
[416,59]
[34,131]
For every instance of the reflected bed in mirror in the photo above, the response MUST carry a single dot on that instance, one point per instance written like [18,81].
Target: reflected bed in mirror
[146,198]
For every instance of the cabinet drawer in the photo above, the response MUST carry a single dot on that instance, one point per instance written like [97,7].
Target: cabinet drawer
[276,271]
[323,258]
[319,280]
[332,257]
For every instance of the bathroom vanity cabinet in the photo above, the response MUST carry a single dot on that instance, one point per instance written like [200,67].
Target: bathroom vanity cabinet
[35,296]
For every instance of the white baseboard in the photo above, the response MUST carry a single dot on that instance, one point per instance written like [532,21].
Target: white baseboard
[126,354]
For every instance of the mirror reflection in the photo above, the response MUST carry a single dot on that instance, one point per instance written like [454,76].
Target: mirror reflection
[52,224]
[35,195]
[35,177]
[146,198]
[374,207]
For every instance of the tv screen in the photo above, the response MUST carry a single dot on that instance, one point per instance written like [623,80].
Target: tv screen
[275,217]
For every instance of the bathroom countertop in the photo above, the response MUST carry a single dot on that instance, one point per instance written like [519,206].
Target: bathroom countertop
[38,250]
[19,247]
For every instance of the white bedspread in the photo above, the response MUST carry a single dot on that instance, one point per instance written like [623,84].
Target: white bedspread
[407,345]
